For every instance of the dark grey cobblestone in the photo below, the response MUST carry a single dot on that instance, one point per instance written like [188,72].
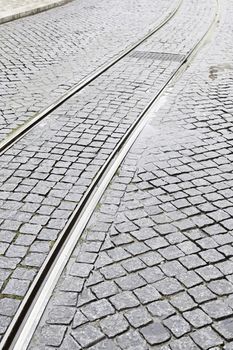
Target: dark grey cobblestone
[114,325]
[44,176]
[45,55]
[217,309]
[138,317]
[87,335]
[155,333]
[178,174]
[161,309]
[177,325]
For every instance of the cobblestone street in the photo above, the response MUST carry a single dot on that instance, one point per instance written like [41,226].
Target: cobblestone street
[153,268]
[44,55]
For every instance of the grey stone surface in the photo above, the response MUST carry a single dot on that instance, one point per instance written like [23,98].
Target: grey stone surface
[61,315]
[106,344]
[221,287]
[124,300]
[176,183]
[87,335]
[114,325]
[147,294]
[201,294]
[130,282]
[97,309]
[184,343]
[206,338]
[4,323]
[8,306]
[105,289]
[138,317]
[161,309]
[168,286]
[217,309]
[53,335]
[16,287]
[225,328]
[197,318]
[183,302]
[177,325]
[58,59]
[131,340]
[45,174]
[155,333]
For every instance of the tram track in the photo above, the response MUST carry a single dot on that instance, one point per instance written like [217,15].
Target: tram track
[24,323]
[22,130]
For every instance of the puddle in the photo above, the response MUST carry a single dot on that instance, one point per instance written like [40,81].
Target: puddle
[214,70]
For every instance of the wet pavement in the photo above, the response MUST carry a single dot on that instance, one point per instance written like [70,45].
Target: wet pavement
[46,173]
[154,268]
[45,55]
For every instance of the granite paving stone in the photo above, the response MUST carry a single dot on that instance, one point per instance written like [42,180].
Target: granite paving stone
[147,294]
[217,309]
[61,315]
[53,335]
[155,333]
[87,335]
[177,325]
[16,287]
[131,340]
[221,287]
[161,308]
[225,328]
[138,317]
[197,318]
[114,325]
[8,306]
[106,344]
[152,274]
[206,338]
[184,343]
[124,300]
[97,309]
[162,273]
[183,302]
[168,286]
[79,319]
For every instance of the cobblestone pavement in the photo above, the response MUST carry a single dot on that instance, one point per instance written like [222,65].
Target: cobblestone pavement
[154,268]
[46,173]
[42,56]
[14,9]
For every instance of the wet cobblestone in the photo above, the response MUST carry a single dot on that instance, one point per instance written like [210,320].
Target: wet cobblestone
[44,55]
[44,176]
[178,178]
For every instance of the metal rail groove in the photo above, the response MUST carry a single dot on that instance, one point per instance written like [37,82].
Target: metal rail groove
[31,309]
[27,126]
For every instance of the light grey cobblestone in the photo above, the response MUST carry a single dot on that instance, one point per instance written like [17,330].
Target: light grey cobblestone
[46,173]
[180,175]
[45,55]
